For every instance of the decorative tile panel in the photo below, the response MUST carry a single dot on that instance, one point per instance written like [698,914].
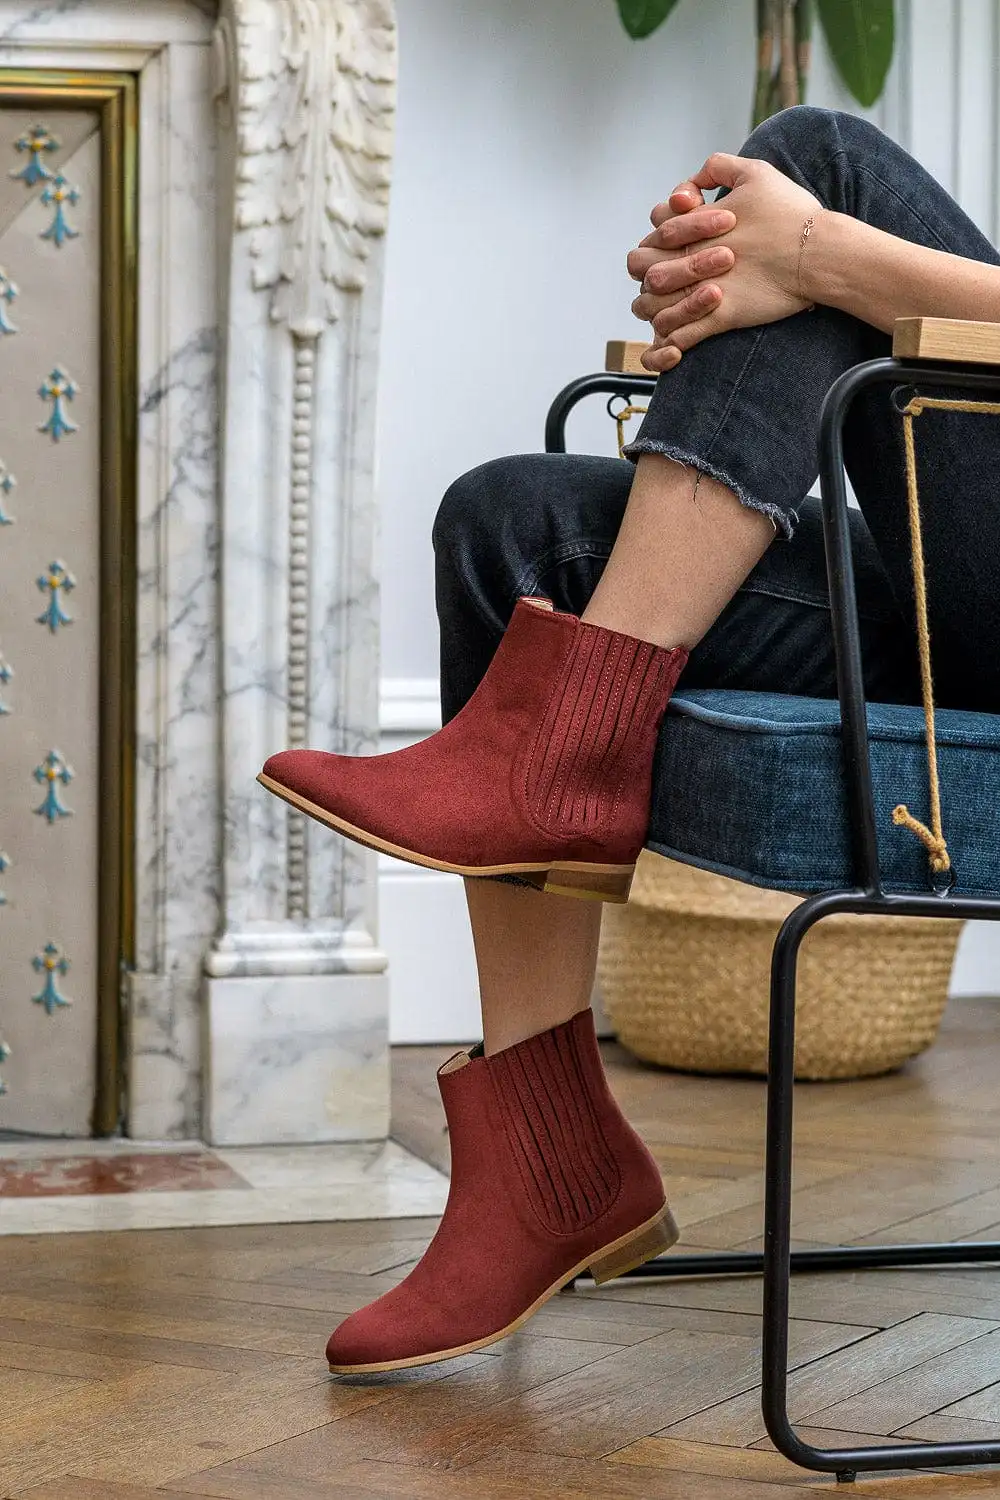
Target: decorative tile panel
[50,616]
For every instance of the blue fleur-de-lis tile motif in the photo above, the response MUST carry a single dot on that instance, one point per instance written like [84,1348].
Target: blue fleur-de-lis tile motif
[54,966]
[54,581]
[5,1055]
[5,863]
[37,142]
[49,774]
[6,673]
[7,485]
[56,195]
[58,388]
[9,293]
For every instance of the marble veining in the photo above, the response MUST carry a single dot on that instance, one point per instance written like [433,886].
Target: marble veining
[178,744]
[75,21]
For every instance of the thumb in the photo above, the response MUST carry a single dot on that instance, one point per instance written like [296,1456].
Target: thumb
[722,170]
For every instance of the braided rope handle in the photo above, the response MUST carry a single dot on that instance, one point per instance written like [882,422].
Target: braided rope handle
[932,838]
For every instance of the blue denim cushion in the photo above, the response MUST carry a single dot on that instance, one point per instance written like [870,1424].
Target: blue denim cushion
[752,785]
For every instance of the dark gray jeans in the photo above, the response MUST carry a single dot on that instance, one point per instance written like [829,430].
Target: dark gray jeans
[745,407]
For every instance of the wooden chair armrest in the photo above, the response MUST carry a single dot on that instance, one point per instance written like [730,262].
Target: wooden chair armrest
[621,357]
[913,338]
[947,338]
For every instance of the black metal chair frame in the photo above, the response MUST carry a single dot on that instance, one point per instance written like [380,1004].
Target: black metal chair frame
[778,1262]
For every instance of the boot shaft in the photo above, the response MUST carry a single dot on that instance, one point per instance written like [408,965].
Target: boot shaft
[592,755]
[538,1123]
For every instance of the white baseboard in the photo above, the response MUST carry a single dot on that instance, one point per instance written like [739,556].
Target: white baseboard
[423,927]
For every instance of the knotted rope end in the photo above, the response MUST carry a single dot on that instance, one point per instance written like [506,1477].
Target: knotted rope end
[935,844]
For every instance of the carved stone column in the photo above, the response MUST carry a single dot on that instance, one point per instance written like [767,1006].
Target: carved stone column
[296,994]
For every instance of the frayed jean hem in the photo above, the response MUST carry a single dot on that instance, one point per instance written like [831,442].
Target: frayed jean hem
[784,521]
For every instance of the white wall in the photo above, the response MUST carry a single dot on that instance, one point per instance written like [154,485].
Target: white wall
[533,139]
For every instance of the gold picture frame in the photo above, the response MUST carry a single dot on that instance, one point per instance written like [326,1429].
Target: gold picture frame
[114,97]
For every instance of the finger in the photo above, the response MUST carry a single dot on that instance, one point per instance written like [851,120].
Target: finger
[684,194]
[694,333]
[722,170]
[700,301]
[700,224]
[664,276]
[660,357]
[639,260]
[683,198]
[661,277]
[653,239]
[657,360]
[646,307]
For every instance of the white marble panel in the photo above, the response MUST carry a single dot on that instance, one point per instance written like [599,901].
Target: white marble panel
[82,22]
[46,1147]
[177,797]
[281,1167]
[381,1181]
[297,1059]
[345,662]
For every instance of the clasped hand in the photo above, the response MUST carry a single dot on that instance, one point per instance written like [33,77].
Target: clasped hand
[707,268]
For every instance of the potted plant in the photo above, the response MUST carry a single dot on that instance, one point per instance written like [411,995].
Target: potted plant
[859,33]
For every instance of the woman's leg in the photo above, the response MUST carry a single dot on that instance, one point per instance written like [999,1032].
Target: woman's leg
[547,1175]
[547,524]
[745,407]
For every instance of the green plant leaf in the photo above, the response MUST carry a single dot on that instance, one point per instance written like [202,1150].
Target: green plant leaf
[641,17]
[860,35]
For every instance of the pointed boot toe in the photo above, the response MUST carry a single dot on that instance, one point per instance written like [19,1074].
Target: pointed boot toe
[298,771]
[546,772]
[549,1181]
[397,1330]
[313,779]
[362,1343]
[348,1346]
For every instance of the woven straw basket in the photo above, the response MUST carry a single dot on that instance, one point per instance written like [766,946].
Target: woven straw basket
[684,971]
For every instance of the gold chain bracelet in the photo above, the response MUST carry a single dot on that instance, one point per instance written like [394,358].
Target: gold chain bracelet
[807,230]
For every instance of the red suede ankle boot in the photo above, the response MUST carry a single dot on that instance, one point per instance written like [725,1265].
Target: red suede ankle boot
[548,1180]
[545,772]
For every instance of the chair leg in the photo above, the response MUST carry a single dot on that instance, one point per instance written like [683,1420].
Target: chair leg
[778,1261]
[778,1206]
[845,1463]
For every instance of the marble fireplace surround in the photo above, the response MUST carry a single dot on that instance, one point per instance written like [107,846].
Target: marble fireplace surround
[257,1008]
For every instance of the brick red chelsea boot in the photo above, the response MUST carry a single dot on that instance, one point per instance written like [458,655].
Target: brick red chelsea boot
[545,772]
[548,1180]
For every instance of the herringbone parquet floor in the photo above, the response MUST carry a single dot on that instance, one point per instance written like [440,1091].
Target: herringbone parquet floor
[189,1362]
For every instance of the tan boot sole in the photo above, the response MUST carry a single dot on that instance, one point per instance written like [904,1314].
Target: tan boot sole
[624,1254]
[570,878]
